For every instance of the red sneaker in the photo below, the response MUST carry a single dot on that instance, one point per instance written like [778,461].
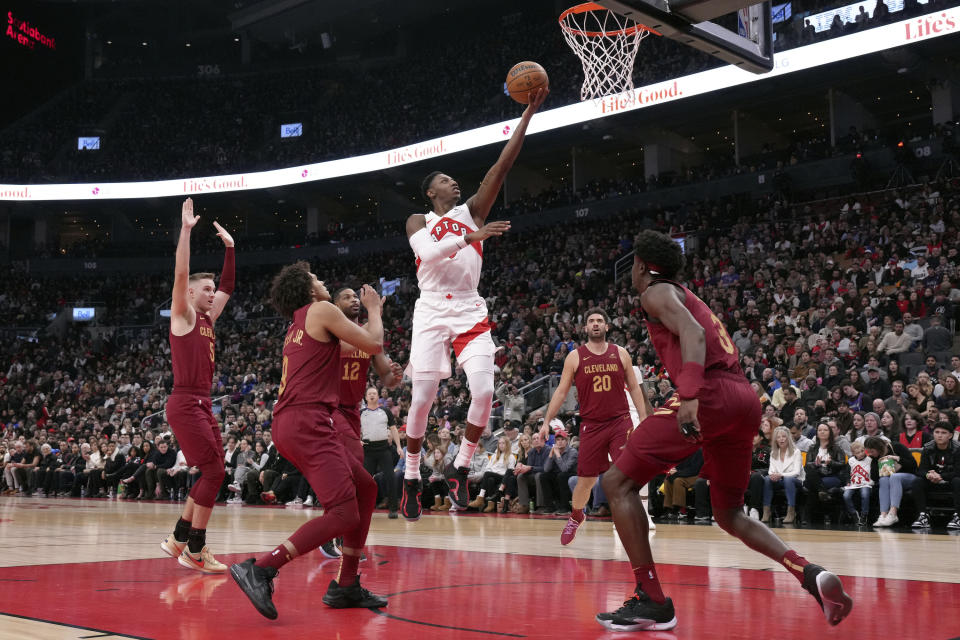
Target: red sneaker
[570,530]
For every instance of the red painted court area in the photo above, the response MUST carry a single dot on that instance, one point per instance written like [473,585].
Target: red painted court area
[440,594]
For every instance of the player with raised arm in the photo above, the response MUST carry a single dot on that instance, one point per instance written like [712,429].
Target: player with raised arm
[354,365]
[304,434]
[600,370]
[448,245]
[194,309]
[714,408]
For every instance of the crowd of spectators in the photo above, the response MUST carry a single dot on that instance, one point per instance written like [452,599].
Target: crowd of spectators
[843,311]
[231,123]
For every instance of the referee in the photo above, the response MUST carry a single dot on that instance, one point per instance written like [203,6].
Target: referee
[379,432]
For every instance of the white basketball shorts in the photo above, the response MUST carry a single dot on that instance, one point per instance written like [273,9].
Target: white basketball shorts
[443,321]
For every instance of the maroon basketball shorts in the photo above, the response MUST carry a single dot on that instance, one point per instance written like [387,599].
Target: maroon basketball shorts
[729,415]
[346,420]
[601,442]
[197,431]
[305,435]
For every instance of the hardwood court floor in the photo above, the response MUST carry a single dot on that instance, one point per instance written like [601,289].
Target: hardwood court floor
[94,569]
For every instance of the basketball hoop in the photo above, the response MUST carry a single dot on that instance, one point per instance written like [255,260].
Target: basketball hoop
[606,44]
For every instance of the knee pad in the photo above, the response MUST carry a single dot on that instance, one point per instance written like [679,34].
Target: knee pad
[423,395]
[480,380]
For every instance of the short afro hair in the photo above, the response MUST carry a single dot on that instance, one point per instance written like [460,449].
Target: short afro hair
[292,288]
[659,252]
[425,185]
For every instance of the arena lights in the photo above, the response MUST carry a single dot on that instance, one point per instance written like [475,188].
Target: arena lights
[905,32]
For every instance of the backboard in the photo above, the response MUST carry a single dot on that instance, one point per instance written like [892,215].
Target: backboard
[693,22]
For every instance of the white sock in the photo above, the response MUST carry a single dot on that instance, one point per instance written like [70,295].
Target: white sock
[411,468]
[465,454]
[483,492]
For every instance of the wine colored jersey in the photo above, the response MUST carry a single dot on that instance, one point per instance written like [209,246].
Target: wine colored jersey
[353,378]
[310,368]
[721,353]
[193,358]
[600,380]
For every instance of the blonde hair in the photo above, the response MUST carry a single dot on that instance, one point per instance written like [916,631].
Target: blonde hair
[203,275]
[775,445]
[506,453]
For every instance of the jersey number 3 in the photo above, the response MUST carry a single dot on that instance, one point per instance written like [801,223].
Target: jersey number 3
[722,336]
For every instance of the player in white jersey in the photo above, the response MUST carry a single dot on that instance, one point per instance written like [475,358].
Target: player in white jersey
[448,245]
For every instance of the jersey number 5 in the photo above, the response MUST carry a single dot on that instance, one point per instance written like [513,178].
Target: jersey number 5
[724,338]
[283,377]
[212,353]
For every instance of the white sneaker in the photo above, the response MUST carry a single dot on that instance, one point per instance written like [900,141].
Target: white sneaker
[233,486]
[650,523]
[886,520]
[308,502]
[892,520]
[234,500]
[754,514]
[296,502]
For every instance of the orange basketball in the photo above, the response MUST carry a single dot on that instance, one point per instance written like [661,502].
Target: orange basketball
[524,77]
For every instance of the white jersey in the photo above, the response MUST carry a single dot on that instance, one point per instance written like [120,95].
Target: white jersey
[461,271]
[634,415]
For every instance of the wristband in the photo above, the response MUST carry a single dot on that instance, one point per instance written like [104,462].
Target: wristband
[690,381]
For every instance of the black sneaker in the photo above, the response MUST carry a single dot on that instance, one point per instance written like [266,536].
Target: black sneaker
[410,500]
[330,550]
[257,583]
[640,613]
[459,489]
[393,514]
[922,522]
[352,597]
[954,522]
[828,590]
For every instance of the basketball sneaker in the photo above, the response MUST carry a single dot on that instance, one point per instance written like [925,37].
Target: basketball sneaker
[828,591]
[922,521]
[257,583]
[570,530]
[459,489]
[640,613]
[330,550]
[203,561]
[172,547]
[352,597]
[410,500]
[954,522]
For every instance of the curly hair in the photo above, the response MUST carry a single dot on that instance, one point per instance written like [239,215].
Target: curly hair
[598,312]
[291,288]
[660,250]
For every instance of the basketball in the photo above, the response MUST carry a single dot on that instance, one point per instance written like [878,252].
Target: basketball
[523,78]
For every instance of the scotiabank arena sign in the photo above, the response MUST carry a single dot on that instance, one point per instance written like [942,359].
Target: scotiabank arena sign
[898,34]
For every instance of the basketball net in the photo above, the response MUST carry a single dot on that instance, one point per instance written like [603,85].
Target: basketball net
[607,45]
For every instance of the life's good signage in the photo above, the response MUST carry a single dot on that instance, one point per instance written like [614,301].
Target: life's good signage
[897,34]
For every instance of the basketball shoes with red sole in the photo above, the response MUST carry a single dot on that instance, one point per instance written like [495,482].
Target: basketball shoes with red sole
[410,500]
[203,561]
[828,590]
[459,488]
[570,530]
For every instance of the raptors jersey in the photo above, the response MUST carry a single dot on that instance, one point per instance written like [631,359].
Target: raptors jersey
[721,354]
[354,366]
[193,359]
[461,271]
[600,380]
[309,373]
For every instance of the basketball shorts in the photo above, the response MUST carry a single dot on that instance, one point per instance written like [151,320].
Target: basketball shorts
[729,415]
[305,435]
[444,321]
[346,420]
[601,442]
[197,431]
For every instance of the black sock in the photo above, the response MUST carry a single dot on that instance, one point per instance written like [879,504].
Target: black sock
[181,531]
[196,540]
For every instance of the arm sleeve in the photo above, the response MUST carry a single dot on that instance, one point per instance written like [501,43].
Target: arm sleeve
[227,276]
[429,251]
